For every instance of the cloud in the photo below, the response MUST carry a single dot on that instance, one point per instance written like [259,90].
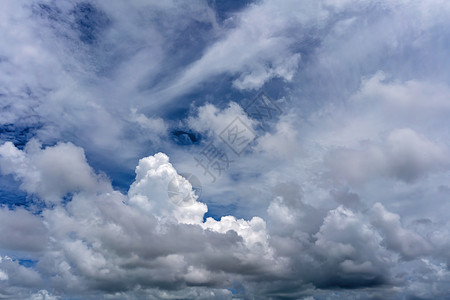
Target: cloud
[113,243]
[213,120]
[353,247]
[412,96]
[42,295]
[51,173]
[283,142]
[29,235]
[17,277]
[153,175]
[403,154]
[107,241]
[253,49]
[404,241]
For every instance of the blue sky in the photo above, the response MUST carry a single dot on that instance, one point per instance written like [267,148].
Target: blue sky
[314,135]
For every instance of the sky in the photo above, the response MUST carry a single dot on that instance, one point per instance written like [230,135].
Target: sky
[295,149]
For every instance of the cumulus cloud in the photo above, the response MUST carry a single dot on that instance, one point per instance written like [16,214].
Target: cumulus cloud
[51,173]
[109,241]
[113,243]
[404,241]
[150,191]
[351,245]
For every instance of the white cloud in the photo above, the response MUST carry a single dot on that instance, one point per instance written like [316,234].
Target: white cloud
[409,97]
[150,191]
[51,173]
[214,120]
[277,210]
[3,275]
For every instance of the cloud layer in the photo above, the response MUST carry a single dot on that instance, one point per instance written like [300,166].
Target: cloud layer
[342,194]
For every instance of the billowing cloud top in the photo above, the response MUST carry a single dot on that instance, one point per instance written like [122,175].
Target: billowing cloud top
[224,150]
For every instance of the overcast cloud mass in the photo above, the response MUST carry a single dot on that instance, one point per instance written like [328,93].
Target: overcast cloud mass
[339,188]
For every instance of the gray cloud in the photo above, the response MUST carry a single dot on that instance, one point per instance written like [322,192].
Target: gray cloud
[403,154]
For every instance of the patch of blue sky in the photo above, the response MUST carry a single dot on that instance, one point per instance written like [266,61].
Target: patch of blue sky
[10,193]
[217,211]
